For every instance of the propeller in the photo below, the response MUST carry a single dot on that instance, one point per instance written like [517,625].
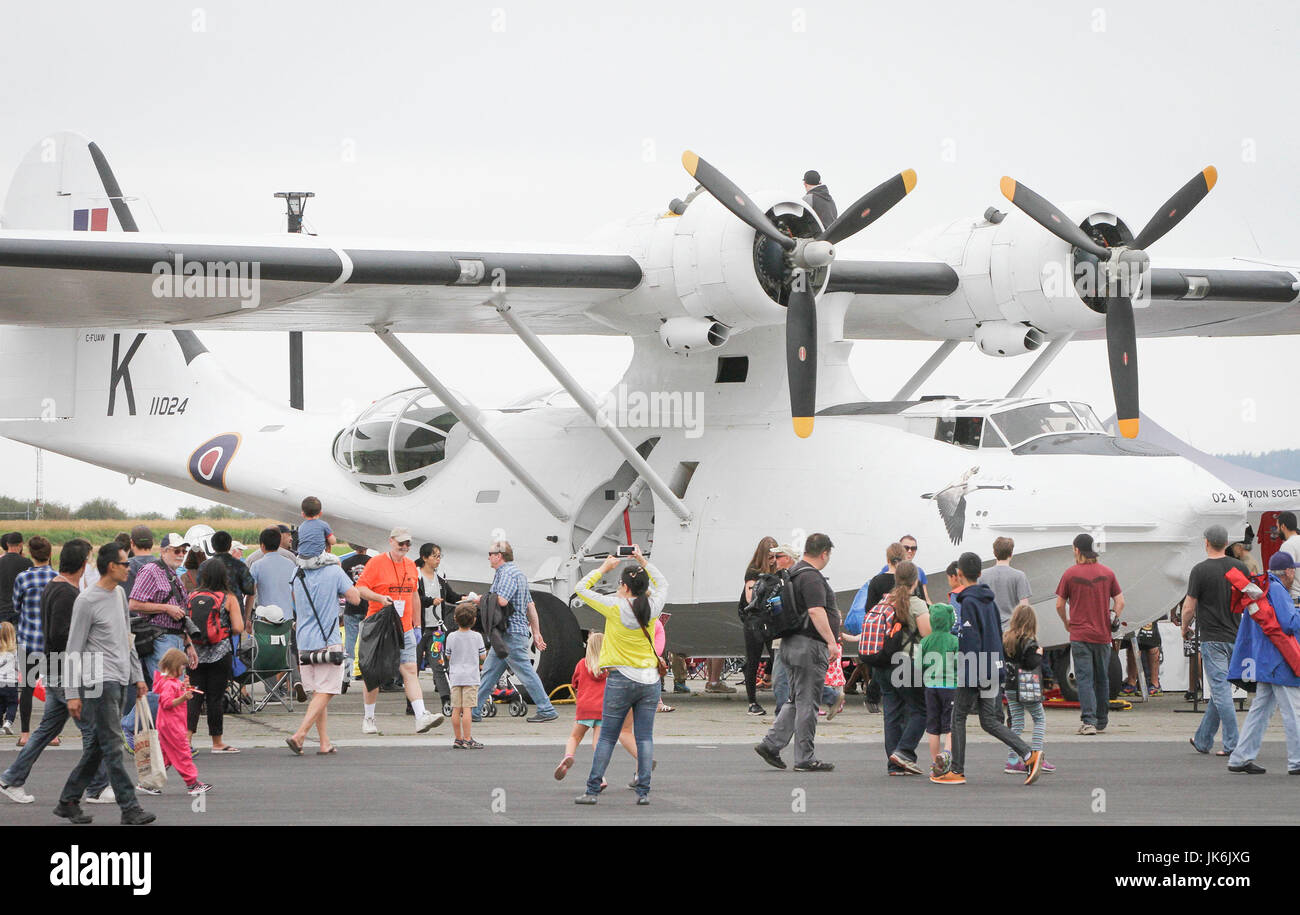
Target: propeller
[1117,263]
[803,255]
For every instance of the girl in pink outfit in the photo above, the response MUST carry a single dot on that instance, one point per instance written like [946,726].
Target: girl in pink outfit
[174,692]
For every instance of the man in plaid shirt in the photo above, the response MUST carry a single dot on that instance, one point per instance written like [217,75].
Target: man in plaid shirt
[28,587]
[510,584]
[159,594]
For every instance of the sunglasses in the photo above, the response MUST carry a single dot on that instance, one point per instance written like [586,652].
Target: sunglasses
[910,549]
[118,562]
[403,543]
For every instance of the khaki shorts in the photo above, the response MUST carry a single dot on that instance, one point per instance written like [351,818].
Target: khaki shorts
[464,696]
[323,678]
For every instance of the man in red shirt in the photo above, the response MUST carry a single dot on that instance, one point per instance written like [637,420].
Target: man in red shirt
[392,579]
[1088,587]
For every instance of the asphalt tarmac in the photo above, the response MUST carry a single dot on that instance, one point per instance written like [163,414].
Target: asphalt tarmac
[1103,782]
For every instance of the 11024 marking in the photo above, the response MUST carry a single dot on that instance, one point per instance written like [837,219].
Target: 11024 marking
[167,406]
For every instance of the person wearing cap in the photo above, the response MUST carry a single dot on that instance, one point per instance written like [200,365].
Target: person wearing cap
[1255,659]
[1087,588]
[140,552]
[1209,605]
[523,629]
[391,579]
[285,549]
[817,197]
[159,595]
[806,654]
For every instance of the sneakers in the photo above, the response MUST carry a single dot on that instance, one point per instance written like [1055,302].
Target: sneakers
[137,817]
[198,788]
[643,801]
[7,728]
[719,687]
[681,689]
[1128,689]
[1048,767]
[1249,769]
[910,767]
[585,800]
[755,709]
[141,789]
[104,797]
[16,793]
[72,813]
[563,768]
[816,765]
[1034,765]
[1016,768]
[461,745]
[427,722]
[368,726]
[539,718]
[1087,730]
[770,757]
[472,744]
[942,763]
[949,778]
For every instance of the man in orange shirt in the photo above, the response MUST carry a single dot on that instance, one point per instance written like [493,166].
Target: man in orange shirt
[391,579]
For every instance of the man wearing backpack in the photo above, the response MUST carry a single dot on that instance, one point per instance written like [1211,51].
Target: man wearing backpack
[805,654]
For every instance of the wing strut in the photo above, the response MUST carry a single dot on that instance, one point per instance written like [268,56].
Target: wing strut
[469,416]
[925,371]
[583,400]
[1054,348]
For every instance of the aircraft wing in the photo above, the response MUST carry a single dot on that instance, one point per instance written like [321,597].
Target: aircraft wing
[64,279]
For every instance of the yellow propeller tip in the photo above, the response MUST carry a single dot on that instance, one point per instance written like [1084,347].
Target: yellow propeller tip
[1211,177]
[1008,186]
[909,180]
[690,162]
[1128,428]
[803,426]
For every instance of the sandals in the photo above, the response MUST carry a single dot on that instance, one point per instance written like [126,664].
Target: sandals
[666,708]
[226,749]
[1154,691]
[295,747]
[563,768]
[330,752]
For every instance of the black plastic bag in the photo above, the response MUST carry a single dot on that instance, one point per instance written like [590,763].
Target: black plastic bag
[379,647]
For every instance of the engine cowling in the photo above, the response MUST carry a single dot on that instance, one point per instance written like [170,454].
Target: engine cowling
[688,335]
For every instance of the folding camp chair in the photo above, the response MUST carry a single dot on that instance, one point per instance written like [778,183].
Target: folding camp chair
[271,663]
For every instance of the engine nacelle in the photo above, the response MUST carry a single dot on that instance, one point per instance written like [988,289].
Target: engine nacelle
[1002,338]
[1013,272]
[687,335]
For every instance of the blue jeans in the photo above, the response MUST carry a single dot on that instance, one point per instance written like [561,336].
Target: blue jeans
[102,745]
[1287,700]
[51,726]
[1214,658]
[904,714]
[621,696]
[517,657]
[1092,678]
[351,631]
[160,646]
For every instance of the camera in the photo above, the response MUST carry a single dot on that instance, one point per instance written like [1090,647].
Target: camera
[323,656]
[626,551]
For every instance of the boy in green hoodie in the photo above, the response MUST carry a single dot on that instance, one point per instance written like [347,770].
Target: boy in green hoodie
[939,677]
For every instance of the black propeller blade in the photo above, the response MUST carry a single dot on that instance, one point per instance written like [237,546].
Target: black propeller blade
[733,198]
[1046,214]
[1121,347]
[869,207]
[801,353]
[1178,206]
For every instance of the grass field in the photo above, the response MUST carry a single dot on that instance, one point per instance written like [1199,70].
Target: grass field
[245,530]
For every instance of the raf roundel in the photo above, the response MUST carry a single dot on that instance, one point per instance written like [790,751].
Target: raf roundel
[209,461]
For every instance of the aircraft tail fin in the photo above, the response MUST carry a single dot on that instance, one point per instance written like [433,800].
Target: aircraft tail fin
[65,183]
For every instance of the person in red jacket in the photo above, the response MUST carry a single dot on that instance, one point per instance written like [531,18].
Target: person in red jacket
[589,690]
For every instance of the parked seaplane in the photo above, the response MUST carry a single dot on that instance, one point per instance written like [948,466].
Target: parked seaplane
[742,311]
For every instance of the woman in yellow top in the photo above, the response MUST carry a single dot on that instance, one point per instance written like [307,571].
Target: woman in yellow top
[632,683]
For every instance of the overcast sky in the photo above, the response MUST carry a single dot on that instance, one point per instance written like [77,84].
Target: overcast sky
[510,121]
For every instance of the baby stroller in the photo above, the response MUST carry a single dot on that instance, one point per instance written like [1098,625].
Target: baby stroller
[506,691]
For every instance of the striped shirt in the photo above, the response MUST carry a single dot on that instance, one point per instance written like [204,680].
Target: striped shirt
[28,587]
[511,583]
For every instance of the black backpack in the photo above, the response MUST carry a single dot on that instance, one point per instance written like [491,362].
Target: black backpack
[775,606]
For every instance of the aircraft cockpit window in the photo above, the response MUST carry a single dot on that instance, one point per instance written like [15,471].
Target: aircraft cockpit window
[962,430]
[992,439]
[1023,423]
[1087,417]
[392,444]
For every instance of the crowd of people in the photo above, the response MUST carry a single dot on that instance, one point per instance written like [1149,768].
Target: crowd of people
[163,629]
